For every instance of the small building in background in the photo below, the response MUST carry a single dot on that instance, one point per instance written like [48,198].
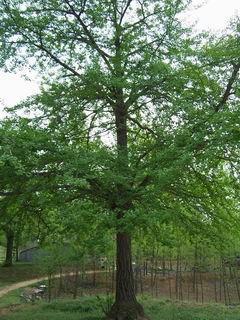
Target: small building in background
[29,254]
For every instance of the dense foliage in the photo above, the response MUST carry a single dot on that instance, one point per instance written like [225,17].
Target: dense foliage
[137,123]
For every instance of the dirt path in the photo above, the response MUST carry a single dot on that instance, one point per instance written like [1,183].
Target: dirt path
[19,285]
[27,283]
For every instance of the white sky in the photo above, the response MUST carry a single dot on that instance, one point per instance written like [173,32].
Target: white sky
[213,15]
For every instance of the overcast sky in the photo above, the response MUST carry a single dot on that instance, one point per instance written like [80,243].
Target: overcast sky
[214,15]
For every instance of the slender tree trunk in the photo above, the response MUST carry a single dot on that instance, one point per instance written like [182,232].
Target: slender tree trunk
[76,276]
[49,287]
[156,277]
[17,241]
[180,280]
[113,275]
[136,279]
[61,286]
[9,250]
[220,284]
[224,281]
[195,267]
[152,272]
[196,291]
[16,253]
[169,285]
[145,268]
[215,286]
[141,281]
[94,272]
[188,288]
[227,285]
[163,263]
[237,284]
[170,262]
[201,284]
[177,286]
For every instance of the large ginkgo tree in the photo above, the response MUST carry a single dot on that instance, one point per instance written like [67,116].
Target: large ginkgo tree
[160,104]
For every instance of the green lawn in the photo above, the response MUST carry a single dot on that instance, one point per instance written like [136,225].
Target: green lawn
[90,308]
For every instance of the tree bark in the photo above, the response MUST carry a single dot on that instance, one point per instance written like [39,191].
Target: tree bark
[126,305]
[16,253]
[9,250]
[75,291]
[17,240]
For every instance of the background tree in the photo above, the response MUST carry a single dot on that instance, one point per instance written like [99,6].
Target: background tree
[21,188]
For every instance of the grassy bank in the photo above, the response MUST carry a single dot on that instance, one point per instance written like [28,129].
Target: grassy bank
[12,298]
[92,308]
[19,272]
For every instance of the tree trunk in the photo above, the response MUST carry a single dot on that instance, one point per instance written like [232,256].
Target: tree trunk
[16,253]
[75,290]
[61,286]
[126,305]
[9,250]
[94,272]
[49,287]
[17,240]
[113,276]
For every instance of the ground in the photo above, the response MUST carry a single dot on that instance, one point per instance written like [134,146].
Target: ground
[19,272]
[12,277]
[91,308]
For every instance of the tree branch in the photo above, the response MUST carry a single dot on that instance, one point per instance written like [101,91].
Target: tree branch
[143,127]
[228,90]
[93,42]
[124,11]
[56,59]
[41,46]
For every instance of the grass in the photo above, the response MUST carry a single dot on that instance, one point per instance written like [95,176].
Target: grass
[12,298]
[158,310]
[2,254]
[90,308]
[18,272]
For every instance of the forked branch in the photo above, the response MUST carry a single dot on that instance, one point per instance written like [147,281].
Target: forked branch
[229,87]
